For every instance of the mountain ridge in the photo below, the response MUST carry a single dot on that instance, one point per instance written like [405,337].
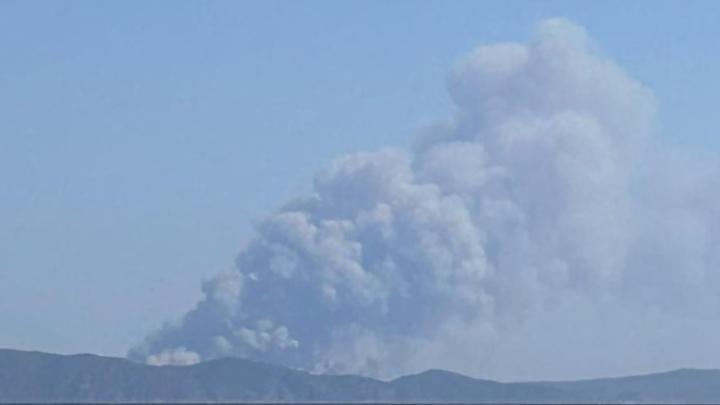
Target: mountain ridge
[34,376]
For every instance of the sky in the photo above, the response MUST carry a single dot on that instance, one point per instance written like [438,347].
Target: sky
[140,142]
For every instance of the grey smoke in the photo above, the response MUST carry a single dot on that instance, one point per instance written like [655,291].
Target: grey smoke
[542,232]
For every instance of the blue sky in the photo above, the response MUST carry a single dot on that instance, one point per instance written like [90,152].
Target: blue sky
[140,140]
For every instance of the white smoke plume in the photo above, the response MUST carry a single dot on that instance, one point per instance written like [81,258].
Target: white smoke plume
[543,231]
[178,356]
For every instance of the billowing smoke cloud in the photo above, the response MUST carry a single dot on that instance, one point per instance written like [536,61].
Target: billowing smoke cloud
[541,232]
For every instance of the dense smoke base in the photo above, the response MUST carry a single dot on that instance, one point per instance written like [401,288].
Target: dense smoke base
[542,232]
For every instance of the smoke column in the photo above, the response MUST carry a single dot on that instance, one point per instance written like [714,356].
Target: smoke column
[541,232]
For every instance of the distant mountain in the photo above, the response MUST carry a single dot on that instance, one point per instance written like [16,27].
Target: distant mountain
[43,377]
[679,386]
[444,386]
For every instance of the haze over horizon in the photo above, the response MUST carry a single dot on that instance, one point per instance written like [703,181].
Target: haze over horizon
[544,225]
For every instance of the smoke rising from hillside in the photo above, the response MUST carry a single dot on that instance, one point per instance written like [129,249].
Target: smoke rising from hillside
[542,231]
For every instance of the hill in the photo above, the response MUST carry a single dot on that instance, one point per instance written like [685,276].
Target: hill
[43,377]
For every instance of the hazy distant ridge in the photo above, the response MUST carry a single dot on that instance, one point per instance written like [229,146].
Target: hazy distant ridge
[43,377]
